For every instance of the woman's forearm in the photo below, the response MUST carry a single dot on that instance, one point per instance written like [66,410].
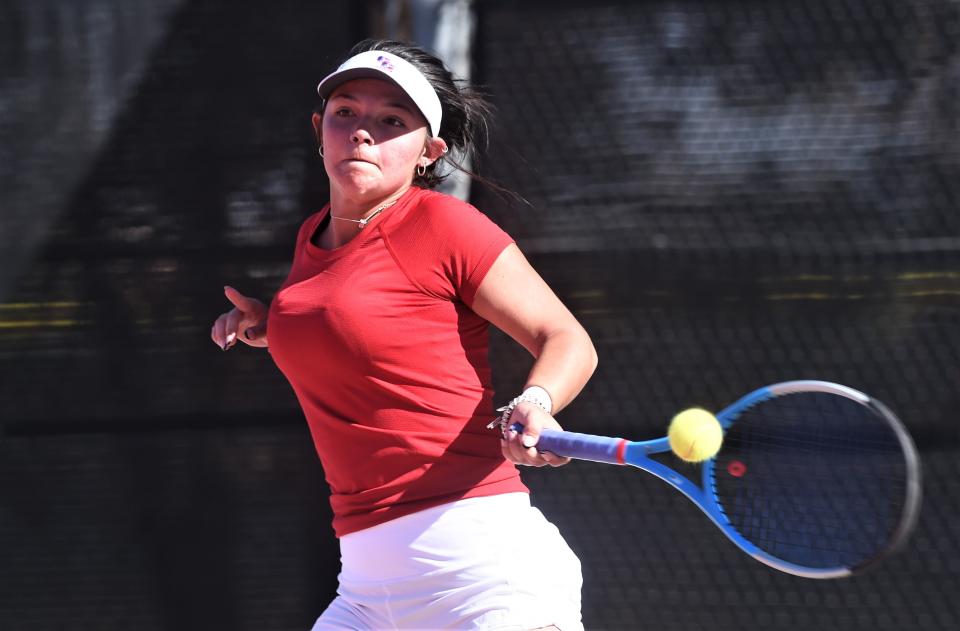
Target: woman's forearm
[564,363]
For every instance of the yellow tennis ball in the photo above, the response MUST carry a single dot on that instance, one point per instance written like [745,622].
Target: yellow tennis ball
[695,435]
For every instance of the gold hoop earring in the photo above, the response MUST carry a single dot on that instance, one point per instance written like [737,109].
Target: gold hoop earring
[421,170]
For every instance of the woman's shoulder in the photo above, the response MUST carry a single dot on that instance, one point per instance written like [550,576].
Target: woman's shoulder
[432,201]
[444,244]
[444,211]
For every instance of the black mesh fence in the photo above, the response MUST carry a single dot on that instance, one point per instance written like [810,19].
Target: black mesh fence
[727,194]
[818,130]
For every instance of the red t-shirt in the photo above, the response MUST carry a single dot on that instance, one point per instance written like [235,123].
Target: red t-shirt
[390,363]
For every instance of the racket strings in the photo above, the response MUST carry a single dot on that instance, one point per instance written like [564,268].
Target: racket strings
[819,479]
[861,445]
[797,422]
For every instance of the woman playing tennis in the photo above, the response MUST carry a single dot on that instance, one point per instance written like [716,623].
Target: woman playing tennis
[382,330]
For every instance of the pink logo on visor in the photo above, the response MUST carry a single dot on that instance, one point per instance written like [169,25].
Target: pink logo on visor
[385,63]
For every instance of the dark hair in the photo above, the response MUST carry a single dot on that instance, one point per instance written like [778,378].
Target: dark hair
[466,113]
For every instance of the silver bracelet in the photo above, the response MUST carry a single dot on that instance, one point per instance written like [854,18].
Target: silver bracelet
[534,394]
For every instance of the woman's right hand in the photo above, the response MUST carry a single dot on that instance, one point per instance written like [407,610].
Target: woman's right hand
[247,322]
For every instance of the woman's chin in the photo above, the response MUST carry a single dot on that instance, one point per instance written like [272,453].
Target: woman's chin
[357,184]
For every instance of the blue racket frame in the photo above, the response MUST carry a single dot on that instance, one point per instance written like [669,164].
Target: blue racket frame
[622,452]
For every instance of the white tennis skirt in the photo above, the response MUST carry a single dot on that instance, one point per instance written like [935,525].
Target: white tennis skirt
[481,563]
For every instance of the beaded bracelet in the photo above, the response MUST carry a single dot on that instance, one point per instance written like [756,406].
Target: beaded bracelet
[534,394]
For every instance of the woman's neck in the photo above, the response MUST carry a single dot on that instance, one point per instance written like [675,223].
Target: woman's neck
[358,207]
[348,216]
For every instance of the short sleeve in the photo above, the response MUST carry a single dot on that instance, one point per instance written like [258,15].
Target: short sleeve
[446,246]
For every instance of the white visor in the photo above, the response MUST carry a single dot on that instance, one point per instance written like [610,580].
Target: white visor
[378,64]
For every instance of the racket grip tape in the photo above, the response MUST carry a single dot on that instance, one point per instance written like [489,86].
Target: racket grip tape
[582,446]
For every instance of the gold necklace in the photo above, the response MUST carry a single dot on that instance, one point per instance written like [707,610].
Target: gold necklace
[362,223]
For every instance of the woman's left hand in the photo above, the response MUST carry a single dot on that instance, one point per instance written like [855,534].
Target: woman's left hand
[519,447]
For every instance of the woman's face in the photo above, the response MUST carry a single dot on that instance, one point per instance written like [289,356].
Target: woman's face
[373,138]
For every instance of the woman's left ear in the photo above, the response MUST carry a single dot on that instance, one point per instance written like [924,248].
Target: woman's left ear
[317,122]
[435,147]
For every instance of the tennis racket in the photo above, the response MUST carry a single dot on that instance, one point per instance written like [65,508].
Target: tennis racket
[814,479]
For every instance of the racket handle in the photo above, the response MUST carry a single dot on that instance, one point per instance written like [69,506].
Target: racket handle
[582,446]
